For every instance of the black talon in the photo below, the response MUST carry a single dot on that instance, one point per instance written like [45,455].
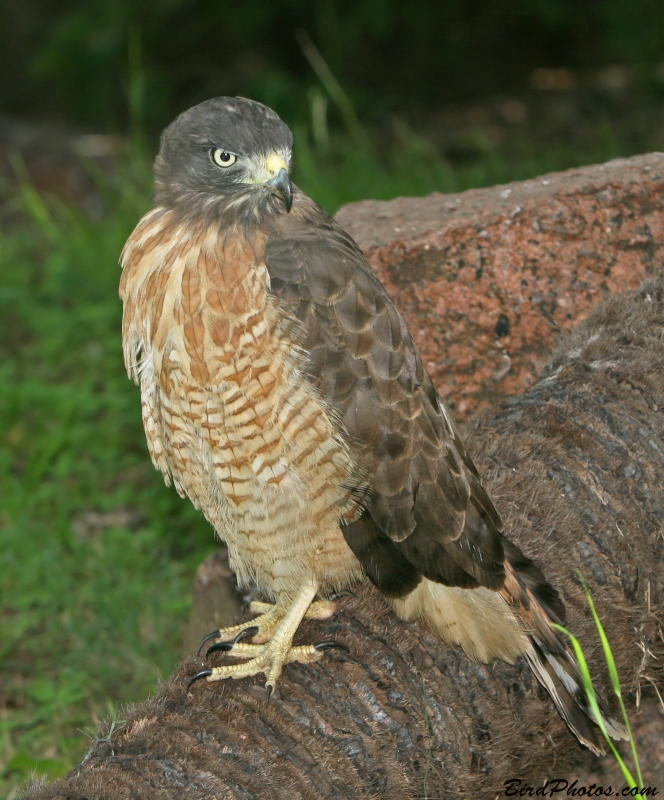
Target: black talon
[252,631]
[328,645]
[225,646]
[269,688]
[222,647]
[206,639]
[205,674]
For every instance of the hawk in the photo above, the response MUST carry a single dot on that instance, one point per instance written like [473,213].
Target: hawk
[283,394]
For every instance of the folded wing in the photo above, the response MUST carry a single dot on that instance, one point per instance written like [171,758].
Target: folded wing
[425,510]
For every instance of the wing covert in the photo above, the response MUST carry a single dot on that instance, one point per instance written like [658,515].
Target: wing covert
[424,499]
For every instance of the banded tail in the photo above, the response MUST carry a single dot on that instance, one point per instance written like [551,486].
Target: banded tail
[511,622]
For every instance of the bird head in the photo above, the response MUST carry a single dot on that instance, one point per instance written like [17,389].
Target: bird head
[230,150]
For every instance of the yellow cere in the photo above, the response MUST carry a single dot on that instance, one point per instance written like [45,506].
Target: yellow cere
[274,164]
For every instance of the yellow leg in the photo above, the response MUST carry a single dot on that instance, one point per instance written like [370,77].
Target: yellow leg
[260,628]
[270,657]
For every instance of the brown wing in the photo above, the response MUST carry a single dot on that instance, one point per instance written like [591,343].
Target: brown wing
[426,512]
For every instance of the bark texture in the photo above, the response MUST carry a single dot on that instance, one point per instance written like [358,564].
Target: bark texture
[576,468]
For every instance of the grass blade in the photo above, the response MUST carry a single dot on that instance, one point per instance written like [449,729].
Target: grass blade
[331,84]
[592,700]
[613,672]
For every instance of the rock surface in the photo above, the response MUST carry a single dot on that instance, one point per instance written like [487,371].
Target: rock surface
[488,277]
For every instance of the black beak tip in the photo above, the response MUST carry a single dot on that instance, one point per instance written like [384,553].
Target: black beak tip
[281,187]
[288,200]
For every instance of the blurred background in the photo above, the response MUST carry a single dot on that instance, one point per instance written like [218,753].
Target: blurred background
[385,98]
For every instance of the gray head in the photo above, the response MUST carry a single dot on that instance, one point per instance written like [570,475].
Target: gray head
[229,152]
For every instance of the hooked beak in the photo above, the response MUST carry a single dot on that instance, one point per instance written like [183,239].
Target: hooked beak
[280,185]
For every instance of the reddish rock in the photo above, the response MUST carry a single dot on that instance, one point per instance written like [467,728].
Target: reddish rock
[487,278]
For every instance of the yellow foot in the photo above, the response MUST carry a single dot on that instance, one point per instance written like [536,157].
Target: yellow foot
[262,626]
[266,658]
[268,618]
[273,632]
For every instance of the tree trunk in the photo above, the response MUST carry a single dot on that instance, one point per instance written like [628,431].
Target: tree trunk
[576,468]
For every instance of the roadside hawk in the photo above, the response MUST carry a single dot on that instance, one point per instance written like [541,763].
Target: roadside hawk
[283,394]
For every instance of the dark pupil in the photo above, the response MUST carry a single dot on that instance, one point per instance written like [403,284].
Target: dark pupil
[225,157]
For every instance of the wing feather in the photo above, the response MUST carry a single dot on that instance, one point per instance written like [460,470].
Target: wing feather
[424,504]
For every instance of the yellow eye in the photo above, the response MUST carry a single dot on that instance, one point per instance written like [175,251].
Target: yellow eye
[223,159]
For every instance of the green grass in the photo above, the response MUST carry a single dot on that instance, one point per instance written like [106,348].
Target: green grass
[617,689]
[92,618]
[89,618]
